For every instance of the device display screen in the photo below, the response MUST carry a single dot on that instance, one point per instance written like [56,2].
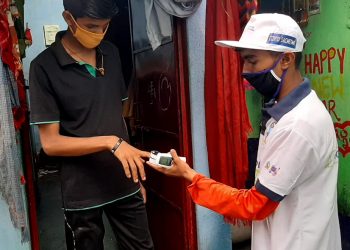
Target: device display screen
[166,161]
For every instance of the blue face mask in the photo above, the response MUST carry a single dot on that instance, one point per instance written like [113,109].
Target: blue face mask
[266,82]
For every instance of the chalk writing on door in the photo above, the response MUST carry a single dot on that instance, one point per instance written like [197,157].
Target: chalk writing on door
[165,92]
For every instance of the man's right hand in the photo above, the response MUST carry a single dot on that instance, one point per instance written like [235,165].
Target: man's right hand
[178,169]
[132,160]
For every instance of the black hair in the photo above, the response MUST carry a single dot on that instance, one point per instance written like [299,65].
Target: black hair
[99,9]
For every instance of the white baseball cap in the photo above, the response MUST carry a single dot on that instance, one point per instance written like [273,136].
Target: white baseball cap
[274,32]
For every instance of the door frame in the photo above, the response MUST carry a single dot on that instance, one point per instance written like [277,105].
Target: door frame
[182,74]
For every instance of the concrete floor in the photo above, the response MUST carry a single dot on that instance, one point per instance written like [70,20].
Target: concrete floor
[50,216]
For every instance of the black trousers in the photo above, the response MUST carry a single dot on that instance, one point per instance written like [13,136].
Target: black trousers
[128,219]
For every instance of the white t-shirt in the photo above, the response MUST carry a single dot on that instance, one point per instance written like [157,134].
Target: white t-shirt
[297,164]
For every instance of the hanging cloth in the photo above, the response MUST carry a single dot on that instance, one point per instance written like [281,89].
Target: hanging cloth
[12,116]
[11,173]
[179,8]
[10,55]
[28,36]
[158,17]
[19,27]
[227,122]
[5,40]
[247,8]
[158,25]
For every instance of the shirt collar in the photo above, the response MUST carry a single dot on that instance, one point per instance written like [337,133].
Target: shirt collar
[278,110]
[61,54]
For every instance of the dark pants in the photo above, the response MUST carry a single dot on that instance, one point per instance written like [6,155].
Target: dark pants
[128,219]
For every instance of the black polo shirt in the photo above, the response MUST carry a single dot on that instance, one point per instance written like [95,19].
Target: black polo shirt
[62,90]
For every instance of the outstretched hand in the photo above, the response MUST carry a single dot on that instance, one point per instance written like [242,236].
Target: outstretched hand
[178,169]
[131,159]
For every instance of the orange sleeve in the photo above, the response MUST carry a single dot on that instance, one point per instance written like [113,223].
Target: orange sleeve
[246,204]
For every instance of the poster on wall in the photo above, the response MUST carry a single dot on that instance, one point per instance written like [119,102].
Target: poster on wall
[314,7]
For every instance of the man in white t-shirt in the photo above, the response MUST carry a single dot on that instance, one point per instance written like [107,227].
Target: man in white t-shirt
[293,204]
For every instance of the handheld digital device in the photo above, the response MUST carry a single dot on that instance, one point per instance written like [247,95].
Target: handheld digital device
[164,160]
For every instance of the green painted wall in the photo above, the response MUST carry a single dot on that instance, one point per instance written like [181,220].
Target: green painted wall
[326,61]
[254,101]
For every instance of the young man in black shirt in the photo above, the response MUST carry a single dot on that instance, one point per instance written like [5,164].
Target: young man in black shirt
[77,89]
